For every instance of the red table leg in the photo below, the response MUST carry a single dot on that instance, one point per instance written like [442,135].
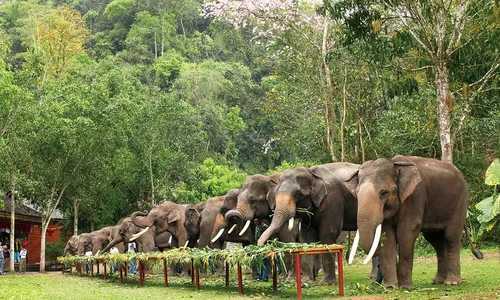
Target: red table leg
[141,273]
[165,272]
[240,279]
[298,275]
[226,269]
[275,275]
[341,271]
[197,276]
[192,272]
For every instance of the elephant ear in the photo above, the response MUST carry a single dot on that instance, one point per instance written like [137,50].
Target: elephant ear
[173,216]
[351,182]
[271,194]
[193,216]
[270,197]
[319,189]
[408,178]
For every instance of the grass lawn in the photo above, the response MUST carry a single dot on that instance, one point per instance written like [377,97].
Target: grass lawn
[481,281]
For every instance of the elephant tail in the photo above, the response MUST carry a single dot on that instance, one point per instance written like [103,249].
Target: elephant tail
[475,250]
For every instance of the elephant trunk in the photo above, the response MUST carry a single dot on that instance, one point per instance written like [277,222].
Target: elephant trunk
[112,244]
[285,211]
[370,218]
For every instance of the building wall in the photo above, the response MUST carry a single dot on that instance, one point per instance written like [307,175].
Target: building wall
[34,238]
[32,231]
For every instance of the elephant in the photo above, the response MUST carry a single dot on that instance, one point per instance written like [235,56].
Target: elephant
[167,217]
[220,231]
[72,245]
[401,197]
[253,205]
[148,240]
[317,196]
[97,240]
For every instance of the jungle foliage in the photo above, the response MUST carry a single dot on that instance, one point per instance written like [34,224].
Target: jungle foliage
[115,105]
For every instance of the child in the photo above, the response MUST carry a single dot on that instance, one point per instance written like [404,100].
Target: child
[22,263]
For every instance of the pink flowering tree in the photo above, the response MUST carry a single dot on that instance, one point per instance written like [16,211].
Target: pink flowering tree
[269,19]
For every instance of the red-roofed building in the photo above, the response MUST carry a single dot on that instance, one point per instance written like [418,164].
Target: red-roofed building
[28,229]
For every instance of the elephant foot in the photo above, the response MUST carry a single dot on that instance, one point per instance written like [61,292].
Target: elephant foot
[405,286]
[453,280]
[330,280]
[390,285]
[438,280]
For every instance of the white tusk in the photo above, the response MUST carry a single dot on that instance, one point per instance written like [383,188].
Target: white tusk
[197,241]
[218,235]
[98,251]
[376,239]
[231,229]
[300,226]
[138,235]
[170,240]
[247,224]
[186,244]
[290,223]
[354,248]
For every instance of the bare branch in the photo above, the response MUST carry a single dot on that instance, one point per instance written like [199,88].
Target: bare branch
[459,24]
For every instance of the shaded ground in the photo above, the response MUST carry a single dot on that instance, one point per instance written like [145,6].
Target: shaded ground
[481,281]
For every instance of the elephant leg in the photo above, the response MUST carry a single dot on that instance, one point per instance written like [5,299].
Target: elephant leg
[407,234]
[436,239]
[308,266]
[327,236]
[453,246]
[329,268]
[388,257]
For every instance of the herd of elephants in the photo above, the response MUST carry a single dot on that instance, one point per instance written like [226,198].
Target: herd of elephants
[389,201]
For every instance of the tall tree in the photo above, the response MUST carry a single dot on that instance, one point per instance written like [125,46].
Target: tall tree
[440,28]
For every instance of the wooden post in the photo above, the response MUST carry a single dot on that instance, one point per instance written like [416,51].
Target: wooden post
[121,273]
[226,269]
[125,270]
[141,273]
[240,279]
[192,271]
[298,275]
[165,272]
[91,269]
[275,274]
[341,272]
[197,276]
[98,271]
[105,269]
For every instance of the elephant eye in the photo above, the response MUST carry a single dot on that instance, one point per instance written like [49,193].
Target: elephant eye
[383,194]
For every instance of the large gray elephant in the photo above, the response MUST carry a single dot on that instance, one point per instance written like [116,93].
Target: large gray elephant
[148,240]
[167,217]
[253,205]
[402,197]
[318,196]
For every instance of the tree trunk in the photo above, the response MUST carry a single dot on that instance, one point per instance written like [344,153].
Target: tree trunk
[76,204]
[445,106]
[344,115]
[42,244]
[329,115]
[12,225]
[361,143]
[156,47]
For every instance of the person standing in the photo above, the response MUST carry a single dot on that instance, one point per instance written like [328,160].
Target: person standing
[22,262]
[88,265]
[132,269]
[2,260]
[113,250]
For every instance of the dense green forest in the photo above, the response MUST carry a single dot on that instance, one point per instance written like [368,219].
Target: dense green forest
[107,106]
